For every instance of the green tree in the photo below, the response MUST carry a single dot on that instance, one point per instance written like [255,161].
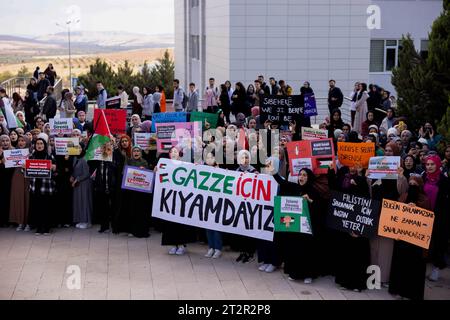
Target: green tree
[164,72]
[5,76]
[125,77]
[23,72]
[99,71]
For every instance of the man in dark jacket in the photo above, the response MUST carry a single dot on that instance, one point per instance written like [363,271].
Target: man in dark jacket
[274,88]
[42,85]
[264,85]
[335,96]
[36,73]
[49,109]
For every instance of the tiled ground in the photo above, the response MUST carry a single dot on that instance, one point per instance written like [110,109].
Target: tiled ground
[118,267]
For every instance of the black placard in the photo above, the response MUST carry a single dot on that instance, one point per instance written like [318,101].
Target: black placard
[281,109]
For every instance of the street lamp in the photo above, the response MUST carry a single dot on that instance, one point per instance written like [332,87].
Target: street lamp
[68,23]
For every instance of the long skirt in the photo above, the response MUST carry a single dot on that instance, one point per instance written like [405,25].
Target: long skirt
[381,255]
[20,198]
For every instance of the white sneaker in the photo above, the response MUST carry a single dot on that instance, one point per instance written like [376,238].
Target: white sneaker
[434,276]
[210,253]
[270,268]
[263,267]
[83,226]
[307,281]
[291,279]
[181,251]
[20,227]
[78,225]
[217,254]
[173,251]
[27,228]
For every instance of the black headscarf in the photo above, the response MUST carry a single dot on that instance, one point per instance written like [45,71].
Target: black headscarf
[308,187]
[40,155]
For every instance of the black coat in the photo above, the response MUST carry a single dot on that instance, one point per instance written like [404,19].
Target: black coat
[335,93]
[42,86]
[49,109]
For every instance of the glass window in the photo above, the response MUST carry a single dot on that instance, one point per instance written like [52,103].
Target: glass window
[391,54]
[376,55]
[195,47]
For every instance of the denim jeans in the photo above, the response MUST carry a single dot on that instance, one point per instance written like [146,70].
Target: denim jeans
[214,239]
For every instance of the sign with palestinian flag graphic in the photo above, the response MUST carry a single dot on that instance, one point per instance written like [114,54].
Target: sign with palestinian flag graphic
[97,148]
[292,215]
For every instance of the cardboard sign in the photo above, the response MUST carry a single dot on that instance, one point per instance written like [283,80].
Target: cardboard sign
[355,154]
[113,103]
[38,169]
[61,126]
[350,213]
[401,221]
[301,163]
[282,109]
[137,179]
[292,215]
[176,134]
[15,158]
[117,120]
[310,105]
[313,134]
[67,146]
[168,117]
[321,153]
[145,140]
[215,199]
[208,120]
[384,167]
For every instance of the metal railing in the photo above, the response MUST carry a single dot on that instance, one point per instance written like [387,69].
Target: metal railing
[17,84]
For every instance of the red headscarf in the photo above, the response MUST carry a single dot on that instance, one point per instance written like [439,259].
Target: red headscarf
[127,150]
[434,177]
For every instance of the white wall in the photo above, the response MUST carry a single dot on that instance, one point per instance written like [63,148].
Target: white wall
[400,17]
[180,33]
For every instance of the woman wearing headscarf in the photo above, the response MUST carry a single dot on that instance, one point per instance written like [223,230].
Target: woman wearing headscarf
[67,108]
[388,122]
[20,198]
[437,190]
[335,122]
[410,167]
[120,156]
[81,100]
[174,234]
[139,202]
[13,137]
[21,123]
[381,247]
[361,107]
[370,121]
[352,252]
[138,100]
[408,267]
[135,123]
[5,181]
[64,190]
[42,191]
[31,108]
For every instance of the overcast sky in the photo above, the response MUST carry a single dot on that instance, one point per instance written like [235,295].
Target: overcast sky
[34,18]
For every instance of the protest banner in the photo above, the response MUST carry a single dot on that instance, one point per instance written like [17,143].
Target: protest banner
[15,158]
[117,120]
[215,199]
[281,109]
[67,146]
[350,213]
[11,120]
[180,134]
[321,153]
[61,126]
[411,224]
[168,117]
[38,168]
[301,163]
[113,103]
[384,167]
[313,134]
[145,140]
[310,109]
[208,120]
[137,179]
[292,215]
[355,154]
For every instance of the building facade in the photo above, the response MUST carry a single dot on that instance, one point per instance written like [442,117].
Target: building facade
[296,40]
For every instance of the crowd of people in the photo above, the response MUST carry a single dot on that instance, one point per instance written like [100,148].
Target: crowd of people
[81,193]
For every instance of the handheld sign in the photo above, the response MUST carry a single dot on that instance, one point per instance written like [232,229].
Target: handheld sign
[137,179]
[215,199]
[67,146]
[321,153]
[355,154]
[180,134]
[384,167]
[292,215]
[313,134]
[167,117]
[38,169]
[310,105]
[281,109]
[117,119]
[15,158]
[61,126]
[145,140]
[350,213]
[208,120]
[400,221]
[113,103]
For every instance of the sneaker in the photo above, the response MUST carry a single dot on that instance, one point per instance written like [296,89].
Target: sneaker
[20,227]
[27,229]
[385,284]
[78,225]
[434,276]
[180,251]
[270,268]
[46,234]
[241,257]
[356,290]
[210,253]
[307,281]
[37,234]
[291,279]
[173,251]
[263,267]
[66,226]
[130,235]
[217,254]
[248,258]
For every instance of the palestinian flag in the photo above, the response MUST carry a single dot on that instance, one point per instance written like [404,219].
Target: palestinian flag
[100,137]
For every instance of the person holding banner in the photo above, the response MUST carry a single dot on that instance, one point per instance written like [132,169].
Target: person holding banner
[5,181]
[351,252]
[381,247]
[42,191]
[407,276]
[437,189]
[138,216]
[20,198]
